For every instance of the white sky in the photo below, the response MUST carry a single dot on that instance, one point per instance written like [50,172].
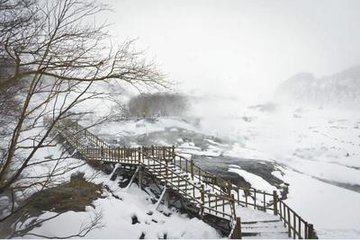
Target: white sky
[241,47]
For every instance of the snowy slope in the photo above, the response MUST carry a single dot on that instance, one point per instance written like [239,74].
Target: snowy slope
[116,212]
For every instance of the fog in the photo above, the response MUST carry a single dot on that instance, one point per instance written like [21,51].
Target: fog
[240,48]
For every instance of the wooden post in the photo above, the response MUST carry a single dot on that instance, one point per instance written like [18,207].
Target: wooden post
[192,169]
[167,199]
[264,201]
[233,201]
[246,198]
[216,202]
[202,194]
[202,199]
[289,222]
[311,234]
[139,154]
[229,187]
[275,201]
[238,195]
[140,177]
[255,199]
[237,230]
[284,211]
[152,150]
[166,170]
[173,152]
[294,223]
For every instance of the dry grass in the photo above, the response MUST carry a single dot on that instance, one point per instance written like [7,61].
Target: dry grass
[72,196]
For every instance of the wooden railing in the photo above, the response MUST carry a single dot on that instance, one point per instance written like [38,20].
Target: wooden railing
[197,193]
[257,199]
[297,227]
[214,195]
[79,132]
[208,197]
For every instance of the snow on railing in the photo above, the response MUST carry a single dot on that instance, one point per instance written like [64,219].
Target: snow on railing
[215,195]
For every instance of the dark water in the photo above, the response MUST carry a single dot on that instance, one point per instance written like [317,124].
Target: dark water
[218,165]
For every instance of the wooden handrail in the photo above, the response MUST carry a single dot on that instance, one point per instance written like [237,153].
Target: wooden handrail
[166,157]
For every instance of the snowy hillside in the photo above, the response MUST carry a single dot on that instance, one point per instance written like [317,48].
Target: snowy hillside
[121,212]
[339,89]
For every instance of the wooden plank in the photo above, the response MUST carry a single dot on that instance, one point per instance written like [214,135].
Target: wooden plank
[289,222]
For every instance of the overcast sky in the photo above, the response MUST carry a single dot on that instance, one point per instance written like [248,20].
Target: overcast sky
[241,47]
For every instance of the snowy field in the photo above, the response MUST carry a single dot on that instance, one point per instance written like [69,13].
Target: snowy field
[317,151]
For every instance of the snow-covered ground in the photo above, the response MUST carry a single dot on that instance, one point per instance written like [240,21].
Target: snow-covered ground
[317,151]
[117,219]
[116,213]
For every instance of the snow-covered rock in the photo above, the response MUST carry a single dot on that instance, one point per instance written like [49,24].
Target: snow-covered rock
[339,89]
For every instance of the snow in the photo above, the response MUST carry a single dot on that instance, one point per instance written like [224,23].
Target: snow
[143,126]
[255,180]
[117,220]
[116,215]
[328,207]
[318,150]
[190,148]
[248,153]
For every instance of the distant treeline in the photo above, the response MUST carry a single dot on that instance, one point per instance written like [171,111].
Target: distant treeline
[157,105]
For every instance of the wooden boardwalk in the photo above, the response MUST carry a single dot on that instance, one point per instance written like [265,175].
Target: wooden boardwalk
[210,193]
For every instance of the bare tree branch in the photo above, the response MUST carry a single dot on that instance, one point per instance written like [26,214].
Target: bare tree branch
[55,55]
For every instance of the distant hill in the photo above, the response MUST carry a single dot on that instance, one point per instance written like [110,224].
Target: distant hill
[339,89]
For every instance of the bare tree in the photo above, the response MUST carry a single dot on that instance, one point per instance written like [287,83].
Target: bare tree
[58,53]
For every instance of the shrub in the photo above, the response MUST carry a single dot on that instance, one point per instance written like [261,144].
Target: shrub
[156,105]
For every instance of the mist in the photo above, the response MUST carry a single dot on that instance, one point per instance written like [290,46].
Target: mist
[241,49]
[206,119]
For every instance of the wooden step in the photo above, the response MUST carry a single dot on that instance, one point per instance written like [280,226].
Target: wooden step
[159,166]
[217,201]
[183,187]
[163,177]
[182,179]
[261,221]
[163,171]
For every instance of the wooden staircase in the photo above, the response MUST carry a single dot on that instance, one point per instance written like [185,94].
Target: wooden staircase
[209,193]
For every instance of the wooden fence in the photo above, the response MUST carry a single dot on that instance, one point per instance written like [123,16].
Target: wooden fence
[215,195]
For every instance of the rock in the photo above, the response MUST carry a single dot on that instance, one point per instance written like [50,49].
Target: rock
[167,214]
[107,168]
[134,220]
[77,176]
